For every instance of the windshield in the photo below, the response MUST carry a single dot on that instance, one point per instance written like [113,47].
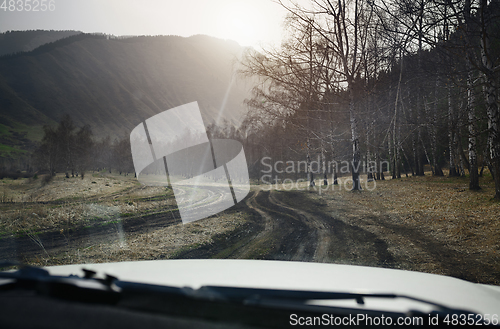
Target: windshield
[344,132]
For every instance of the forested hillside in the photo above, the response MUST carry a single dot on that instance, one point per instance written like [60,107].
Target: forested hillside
[113,84]
[13,42]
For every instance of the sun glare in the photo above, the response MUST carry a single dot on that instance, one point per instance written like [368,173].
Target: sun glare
[241,30]
[242,22]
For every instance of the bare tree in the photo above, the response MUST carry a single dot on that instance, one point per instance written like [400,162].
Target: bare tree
[83,149]
[291,87]
[47,154]
[65,131]
[490,77]
[345,28]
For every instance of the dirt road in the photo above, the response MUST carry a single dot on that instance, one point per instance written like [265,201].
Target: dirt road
[286,225]
[299,226]
[282,232]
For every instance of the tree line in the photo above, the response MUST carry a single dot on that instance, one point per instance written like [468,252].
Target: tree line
[409,83]
[75,150]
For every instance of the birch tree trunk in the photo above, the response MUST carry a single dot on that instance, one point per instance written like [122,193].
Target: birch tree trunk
[310,175]
[397,131]
[434,152]
[471,115]
[491,96]
[370,176]
[323,164]
[356,153]
[451,143]
[473,169]
[391,161]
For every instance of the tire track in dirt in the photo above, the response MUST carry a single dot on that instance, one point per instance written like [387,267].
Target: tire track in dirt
[276,234]
[287,236]
[296,225]
[211,196]
[279,230]
[281,227]
[317,225]
[337,242]
[90,199]
[56,241]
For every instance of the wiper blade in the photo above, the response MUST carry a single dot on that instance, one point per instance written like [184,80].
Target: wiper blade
[159,298]
[253,296]
[24,271]
[85,289]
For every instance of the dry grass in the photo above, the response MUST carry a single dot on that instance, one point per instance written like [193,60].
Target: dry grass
[162,243]
[441,209]
[469,220]
[61,188]
[30,207]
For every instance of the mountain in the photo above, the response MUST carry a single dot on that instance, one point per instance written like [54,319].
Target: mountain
[18,41]
[113,83]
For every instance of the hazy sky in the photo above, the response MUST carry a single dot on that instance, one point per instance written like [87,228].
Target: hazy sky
[249,22]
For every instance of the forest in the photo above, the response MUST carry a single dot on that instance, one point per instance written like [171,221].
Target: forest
[386,86]
[74,150]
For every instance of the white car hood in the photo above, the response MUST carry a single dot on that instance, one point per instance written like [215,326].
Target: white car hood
[447,291]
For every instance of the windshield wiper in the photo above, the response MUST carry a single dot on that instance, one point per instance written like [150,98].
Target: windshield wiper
[84,289]
[257,296]
[215,302]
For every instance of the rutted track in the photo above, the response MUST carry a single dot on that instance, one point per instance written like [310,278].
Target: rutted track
[25,247]
[291,225]
[280,231]
[55,241]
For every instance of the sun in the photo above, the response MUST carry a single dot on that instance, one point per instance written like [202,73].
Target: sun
[239,21]
[242,31]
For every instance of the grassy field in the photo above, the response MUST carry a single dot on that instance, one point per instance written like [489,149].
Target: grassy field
[436,210]
[15,140]
[101,201]
[441,208]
